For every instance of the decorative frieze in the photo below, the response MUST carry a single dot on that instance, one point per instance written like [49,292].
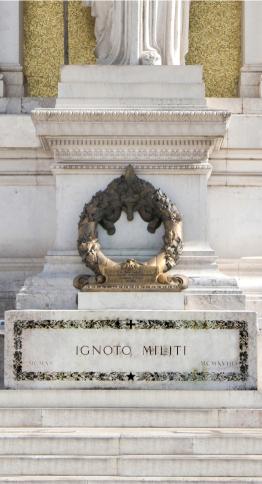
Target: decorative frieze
[130,149]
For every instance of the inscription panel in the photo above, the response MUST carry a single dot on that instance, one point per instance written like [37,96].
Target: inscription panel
[133,352]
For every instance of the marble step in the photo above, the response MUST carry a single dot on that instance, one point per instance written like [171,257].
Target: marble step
[89,441]
[133,465]
[128,480]
[131,417]
[131,398]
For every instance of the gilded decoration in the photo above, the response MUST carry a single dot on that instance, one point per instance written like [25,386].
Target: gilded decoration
[130,194]
[214,41]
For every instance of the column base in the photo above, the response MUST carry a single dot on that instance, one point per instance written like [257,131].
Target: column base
[13,80]
[250,81]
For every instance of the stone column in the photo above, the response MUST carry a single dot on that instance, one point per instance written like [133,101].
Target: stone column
[11,35]
[251,72]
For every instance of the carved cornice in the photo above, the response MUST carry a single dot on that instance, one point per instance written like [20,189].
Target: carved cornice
[139,115]
[88,134]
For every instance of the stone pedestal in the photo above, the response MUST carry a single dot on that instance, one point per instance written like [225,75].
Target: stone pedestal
[155,118]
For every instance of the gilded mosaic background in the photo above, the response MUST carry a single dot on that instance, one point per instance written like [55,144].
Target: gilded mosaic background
[215,42]
[44,42]
[215,28]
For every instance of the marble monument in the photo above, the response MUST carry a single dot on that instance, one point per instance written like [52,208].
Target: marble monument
[115,143]
[112,385]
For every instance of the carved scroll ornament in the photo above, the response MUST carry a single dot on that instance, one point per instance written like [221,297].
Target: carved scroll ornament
[130,194]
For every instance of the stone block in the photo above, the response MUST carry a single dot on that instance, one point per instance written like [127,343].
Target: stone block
[111,399]
[233,105]
[30,103]
[7,302]
[245,132]
[215,301]
[131,349]
[136,85]
[10,105]
[17,131]
[20,418]
[1,85]
[13,80]
[187,465]
[70,442]
[1,360]
[99,91]
[134,74]
[132,417]
[140,300]
[250,83]
[53,465]
[252,105]
[14,90]
[14,77]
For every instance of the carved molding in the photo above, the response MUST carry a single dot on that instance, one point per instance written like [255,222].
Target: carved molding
[130,149]
[178,168]
[139,115]
[131,155]
[187,136]
[130,141]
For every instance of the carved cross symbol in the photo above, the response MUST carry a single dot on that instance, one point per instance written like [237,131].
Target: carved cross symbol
[131,376]
[131,324]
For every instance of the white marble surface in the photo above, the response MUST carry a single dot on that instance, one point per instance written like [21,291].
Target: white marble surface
[252,57]
[211,400]
[1,86]
[186,191]
[136,86]
[131,300]
[130,350]
[10,32]
[11,46]
[234,221]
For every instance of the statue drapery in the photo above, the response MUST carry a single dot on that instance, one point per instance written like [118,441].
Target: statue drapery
[141,31]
